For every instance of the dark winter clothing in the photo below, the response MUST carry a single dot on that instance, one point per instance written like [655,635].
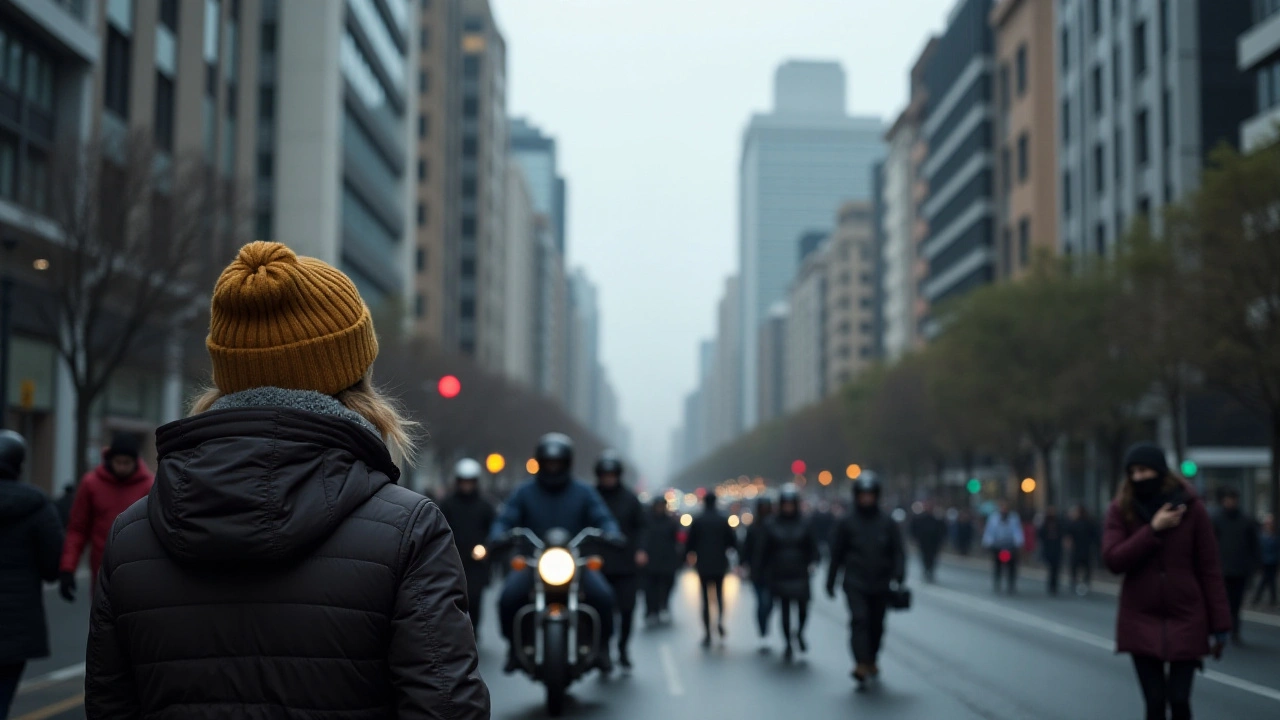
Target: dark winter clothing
[470,517]
[662,544]
[1269,546]
[64,503]
[100,498]
[711,539]
[1148,456]
[929,531]
[30,542]
[867,548]
[535,507]
[630,516]
[1237,536]
[1172,597]
[10,676]
[1051,536]
[276,570]
[1166,686]
[787,552]
[750,558]
[518,586]
[962,535]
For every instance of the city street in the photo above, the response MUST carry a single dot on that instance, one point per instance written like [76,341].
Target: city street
[960,653]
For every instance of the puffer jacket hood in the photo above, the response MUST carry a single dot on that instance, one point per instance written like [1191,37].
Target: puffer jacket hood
[258,484]
[19,500]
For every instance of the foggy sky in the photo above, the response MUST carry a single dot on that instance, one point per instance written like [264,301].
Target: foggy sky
[648,100]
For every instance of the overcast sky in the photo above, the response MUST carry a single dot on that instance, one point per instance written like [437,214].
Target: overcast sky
[648,100]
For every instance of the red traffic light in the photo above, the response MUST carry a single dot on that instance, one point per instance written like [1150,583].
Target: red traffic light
[798,467]
[449,386]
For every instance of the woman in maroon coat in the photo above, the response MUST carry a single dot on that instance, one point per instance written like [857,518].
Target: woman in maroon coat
[1159,536]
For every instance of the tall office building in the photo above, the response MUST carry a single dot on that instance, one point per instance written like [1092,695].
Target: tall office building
[438,155]
[805,355]
[1026,133]
[799,162]
[521,292]
[724,401]
[849,318]
[1259,58]
[957,130]
[584,376]
[773,363]
[474,289]
[536,153]
[1147,88]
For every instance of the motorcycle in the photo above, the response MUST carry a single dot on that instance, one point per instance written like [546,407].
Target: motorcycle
[556,636]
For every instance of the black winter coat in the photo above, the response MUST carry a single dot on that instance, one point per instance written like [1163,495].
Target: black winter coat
[1238,543]
[711,539]
[751,548]
[629,513]
[929,531]
[1085,537]
[470,517]
[787,550]
[30,547]
[277,571]
[868,550]
[662,544]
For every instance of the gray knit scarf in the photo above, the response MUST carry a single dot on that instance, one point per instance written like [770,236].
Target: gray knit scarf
[306,400]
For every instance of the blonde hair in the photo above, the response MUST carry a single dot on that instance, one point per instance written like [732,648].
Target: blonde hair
[365,400]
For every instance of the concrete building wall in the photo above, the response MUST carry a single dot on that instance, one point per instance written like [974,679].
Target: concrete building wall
[521,273]
[849,317]
[1258,57]
[898,262]
[805,356]
[773,369]
[1027,133]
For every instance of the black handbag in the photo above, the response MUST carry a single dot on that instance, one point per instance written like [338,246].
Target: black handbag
[899,598]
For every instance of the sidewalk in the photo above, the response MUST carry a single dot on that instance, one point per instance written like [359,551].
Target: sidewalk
[1104,583]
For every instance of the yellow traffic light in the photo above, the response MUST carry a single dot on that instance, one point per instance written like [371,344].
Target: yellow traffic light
[1028,485]
[824,477]
[531,467]
[853,472]
[495,463]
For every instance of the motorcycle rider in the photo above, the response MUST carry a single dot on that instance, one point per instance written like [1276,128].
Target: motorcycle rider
[554,498]
[470,516]
[622,564]
[867,547]
[662,546]
[750,555]
[788,550]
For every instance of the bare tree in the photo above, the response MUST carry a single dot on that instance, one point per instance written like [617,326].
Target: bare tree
[136,233]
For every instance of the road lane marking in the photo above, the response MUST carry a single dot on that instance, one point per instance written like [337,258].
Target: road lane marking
[1087,638]
[669,669]
[53,678]
[49,711]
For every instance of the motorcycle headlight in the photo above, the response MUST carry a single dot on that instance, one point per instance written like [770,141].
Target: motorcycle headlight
[556,567]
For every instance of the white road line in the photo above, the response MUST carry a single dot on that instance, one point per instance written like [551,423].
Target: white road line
[1087,638]
[53,678]
[669,669]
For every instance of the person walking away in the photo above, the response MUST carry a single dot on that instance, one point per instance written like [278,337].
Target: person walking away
[661,543]
[787,553]
[622,564]
[276,569]
[929,531]
[1237,535]
[555,499]
[1004,538]
[470,516]
[708,545]
[106,491]
[30,544]
[759,581]
[1082,532]
[964,532]
[1269,554]
[1159,536]
[866,547]
[1051,539]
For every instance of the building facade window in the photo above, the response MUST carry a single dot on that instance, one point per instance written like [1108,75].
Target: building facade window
[423,81]
[422,169]
[420,259]
[1066,191]
[1006,169]
[1066,50]
[1142,138]
[1117,73]
[1100,239]
[1024,242]
[1066,121]
[1099,168]
[1166,120]
[1021,72]
[212,20]
[1140,49]
[169,14]
[1097,91]
[1024,158]
[422,215]
[1004,87]
[1095,16]
[422,126]
[116,92]
[424,39]
[1118,151]
[164,112]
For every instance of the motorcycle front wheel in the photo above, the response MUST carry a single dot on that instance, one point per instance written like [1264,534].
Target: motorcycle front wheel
[555,668]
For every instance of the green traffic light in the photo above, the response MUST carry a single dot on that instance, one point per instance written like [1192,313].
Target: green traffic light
[1190,468]
[974,486]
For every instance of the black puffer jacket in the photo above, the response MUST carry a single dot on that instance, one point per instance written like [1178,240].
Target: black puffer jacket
[276,571]
[30,546]
[470,517]
[787,550]
[627,510]
[867,548]
[662,543]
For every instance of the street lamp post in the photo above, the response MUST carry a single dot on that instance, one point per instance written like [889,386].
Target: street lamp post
[6,301]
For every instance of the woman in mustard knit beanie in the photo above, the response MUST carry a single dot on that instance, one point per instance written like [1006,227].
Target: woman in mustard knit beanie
[276,569]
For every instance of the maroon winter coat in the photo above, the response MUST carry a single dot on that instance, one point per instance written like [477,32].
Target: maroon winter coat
[1173,597]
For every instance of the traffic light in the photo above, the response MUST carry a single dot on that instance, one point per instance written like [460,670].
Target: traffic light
[974,486]
[1029,485]
[495,463]
[853,472]
[1190,469]
[798,467]
[449,387]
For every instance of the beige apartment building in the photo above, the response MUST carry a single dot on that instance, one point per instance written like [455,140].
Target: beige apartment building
[1026,133]
[849,317]
[805,376]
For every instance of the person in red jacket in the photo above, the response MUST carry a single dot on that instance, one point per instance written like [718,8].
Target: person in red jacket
[106,491]
[1173,600]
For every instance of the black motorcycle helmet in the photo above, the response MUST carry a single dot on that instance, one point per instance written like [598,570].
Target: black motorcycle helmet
[609,464]
[13,452]
[789,494]
[867,483]
[555,460]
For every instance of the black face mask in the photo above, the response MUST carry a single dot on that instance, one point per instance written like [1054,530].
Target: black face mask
[868,510]
[554,483]
[1147,489]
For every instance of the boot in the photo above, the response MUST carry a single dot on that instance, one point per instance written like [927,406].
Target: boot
[788,655]
[862,673]
[804,646]
[624,660]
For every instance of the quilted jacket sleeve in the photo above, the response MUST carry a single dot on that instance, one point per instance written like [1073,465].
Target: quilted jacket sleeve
[110,691]
[433,650]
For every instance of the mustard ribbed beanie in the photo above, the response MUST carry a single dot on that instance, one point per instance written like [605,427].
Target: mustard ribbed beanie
[279,320]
